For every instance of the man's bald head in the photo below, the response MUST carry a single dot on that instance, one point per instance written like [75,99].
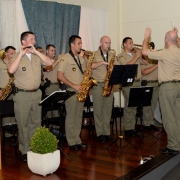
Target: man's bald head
[170,38]
[104,38]
[105,43]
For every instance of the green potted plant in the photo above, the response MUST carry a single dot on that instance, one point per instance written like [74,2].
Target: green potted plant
[44,158]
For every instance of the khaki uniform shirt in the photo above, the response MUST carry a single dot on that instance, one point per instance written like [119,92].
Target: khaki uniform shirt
[168,63]
[4,76]
[124,58]
[52,75]
[153,76]
[28,74]
[70,69]
[100,72]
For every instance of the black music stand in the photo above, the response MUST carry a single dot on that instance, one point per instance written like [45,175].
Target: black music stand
[124,75]
[140,97]
[54,98]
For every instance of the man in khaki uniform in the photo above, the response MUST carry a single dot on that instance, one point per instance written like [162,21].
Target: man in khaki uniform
[70,71]
[150,78]
[102,106]
[51,72]
[26,67]
[169,79]
[4,77]
[128,57]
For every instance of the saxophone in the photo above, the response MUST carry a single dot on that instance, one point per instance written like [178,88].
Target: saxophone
[7,90]
[87,82]
[106,91]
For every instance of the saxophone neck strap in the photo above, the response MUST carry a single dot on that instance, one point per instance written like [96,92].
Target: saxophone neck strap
[105,59]
[77,62]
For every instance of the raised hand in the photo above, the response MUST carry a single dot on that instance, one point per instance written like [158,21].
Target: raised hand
[147,33]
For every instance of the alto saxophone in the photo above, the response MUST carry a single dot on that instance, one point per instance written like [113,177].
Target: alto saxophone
[7,90]
[106,91]
[88,81]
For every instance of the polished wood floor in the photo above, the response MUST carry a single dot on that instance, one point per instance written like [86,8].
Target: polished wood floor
[93,163]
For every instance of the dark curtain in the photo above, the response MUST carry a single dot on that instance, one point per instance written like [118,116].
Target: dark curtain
[52,23]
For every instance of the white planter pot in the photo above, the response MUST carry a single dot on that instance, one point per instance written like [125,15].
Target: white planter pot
[43,164]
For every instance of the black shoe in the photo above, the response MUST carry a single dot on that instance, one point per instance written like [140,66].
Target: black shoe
[24,157]
[109,138]
[134,132]
[129,133]
[82,145]
[148,128]
[101,139]
[74,147]
[168,151]
[154,128]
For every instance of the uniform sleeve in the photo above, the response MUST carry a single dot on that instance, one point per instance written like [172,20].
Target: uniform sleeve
[122,60]
[62,65]
[156,55]
[116,62]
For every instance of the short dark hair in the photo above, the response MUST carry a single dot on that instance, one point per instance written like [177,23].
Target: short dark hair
[125,40]
[152,45]
[25,34]
[38,47]
[50,45]
[9,47]
[72,39]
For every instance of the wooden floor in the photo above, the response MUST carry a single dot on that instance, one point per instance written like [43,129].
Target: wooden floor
[93,163]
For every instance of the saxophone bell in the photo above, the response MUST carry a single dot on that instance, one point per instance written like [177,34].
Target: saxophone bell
[2,54]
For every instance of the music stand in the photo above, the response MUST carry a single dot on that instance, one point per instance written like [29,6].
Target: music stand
[54,98]
[140,97]
[124,75]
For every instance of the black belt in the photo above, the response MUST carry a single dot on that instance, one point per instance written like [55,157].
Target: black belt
[24,90]
[174,81]
[54,83]
[153,81]
[137,80]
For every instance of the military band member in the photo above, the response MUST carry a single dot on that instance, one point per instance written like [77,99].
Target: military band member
[26,67]
[70,72]
[169,80]
[51,72]
[150,78]
[40,49]
[4,77]
[102,106]
[129,57]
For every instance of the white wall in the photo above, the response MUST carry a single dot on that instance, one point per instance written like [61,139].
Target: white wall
[112,7]
[159,15]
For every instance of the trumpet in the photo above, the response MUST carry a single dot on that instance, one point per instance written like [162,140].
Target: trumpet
[151,46]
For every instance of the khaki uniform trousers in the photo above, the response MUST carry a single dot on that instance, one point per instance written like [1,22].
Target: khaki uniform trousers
[9,120]
[28,116]
[49,90]
[129,113]
[73,122]
[148,111]
[102,108]
[169,96]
